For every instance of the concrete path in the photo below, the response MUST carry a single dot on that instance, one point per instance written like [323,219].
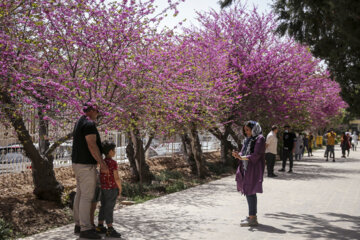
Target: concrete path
[320,200]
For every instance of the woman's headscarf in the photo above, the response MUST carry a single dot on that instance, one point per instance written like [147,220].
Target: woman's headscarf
[249,143]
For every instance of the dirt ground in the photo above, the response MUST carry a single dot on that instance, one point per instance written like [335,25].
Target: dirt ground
[28,215]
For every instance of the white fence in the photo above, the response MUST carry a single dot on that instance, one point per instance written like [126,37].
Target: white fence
[13,159]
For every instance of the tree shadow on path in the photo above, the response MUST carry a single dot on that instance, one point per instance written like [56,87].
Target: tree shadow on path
[313,171]
[316,227]
[266,228]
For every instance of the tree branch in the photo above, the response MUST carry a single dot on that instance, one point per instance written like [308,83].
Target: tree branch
[56,144]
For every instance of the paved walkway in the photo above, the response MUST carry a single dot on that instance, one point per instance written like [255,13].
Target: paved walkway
[320,200]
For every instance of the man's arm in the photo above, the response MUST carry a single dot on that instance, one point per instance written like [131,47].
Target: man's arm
[95,152]
[269,140]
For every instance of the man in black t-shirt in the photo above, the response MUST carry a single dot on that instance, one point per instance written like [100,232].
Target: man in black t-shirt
[288,148]
[86,154]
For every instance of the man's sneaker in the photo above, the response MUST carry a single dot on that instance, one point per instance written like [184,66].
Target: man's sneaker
[290,171]
[89,234]
[333,160]
[101,229]
[111,232]
[77,229]
[282,170]
[272,175]
[249,222]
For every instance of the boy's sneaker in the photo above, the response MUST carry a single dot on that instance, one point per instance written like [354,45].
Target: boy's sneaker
[77,229]
[249,222]
[111,232]
[89,234]
[101,229]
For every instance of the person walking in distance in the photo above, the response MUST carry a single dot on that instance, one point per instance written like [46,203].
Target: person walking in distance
[354,141]
[86,154]
[349,144]
[330,145]
[344,144]
[271,150]
[250,172]
[306,143]
[289,139]
[299,145]
[310,144]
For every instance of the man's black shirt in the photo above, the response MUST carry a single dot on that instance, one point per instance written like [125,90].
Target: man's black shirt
[289,139]
[80,150]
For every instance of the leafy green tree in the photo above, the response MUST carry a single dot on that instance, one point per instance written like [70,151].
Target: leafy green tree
[331,29]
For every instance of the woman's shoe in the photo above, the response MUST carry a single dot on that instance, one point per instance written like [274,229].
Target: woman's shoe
[250,222]
[245,220]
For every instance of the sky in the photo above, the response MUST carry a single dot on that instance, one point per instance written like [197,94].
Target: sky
[188,9]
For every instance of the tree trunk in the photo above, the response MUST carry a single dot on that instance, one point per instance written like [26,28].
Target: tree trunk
[130,153]
[196,150]
[46,185]
[43,133]
[226,146]
[187,152]
[142,167]
[226,152]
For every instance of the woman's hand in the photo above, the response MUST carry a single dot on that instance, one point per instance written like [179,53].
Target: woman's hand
[236,155]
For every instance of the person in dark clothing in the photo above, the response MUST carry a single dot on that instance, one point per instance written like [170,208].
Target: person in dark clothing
[250,172]
[289,139]
[349,140]
[311,139]
[345,145]
[86,154]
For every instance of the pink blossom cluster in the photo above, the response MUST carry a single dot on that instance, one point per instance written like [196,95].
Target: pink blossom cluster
[55,55]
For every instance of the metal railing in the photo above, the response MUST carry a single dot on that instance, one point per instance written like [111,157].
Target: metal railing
[13,159]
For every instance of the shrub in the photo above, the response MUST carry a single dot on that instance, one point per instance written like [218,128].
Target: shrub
[218,168]
[176,187]
[5,230]
[166,175]
[132,190]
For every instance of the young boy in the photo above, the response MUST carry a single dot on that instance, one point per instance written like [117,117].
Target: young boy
[110,190]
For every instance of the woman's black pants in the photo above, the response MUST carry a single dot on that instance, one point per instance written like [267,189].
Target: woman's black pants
[252,202]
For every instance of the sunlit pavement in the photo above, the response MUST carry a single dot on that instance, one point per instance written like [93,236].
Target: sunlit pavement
[320,200]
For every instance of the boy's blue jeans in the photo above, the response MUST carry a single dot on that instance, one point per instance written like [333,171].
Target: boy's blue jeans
[108,201]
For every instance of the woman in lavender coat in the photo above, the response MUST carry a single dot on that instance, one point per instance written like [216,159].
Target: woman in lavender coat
[249,175]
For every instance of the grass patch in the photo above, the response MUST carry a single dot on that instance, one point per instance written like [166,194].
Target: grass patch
[167,175]
[5,230]
[176,187]
[218,168]
[165,182]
